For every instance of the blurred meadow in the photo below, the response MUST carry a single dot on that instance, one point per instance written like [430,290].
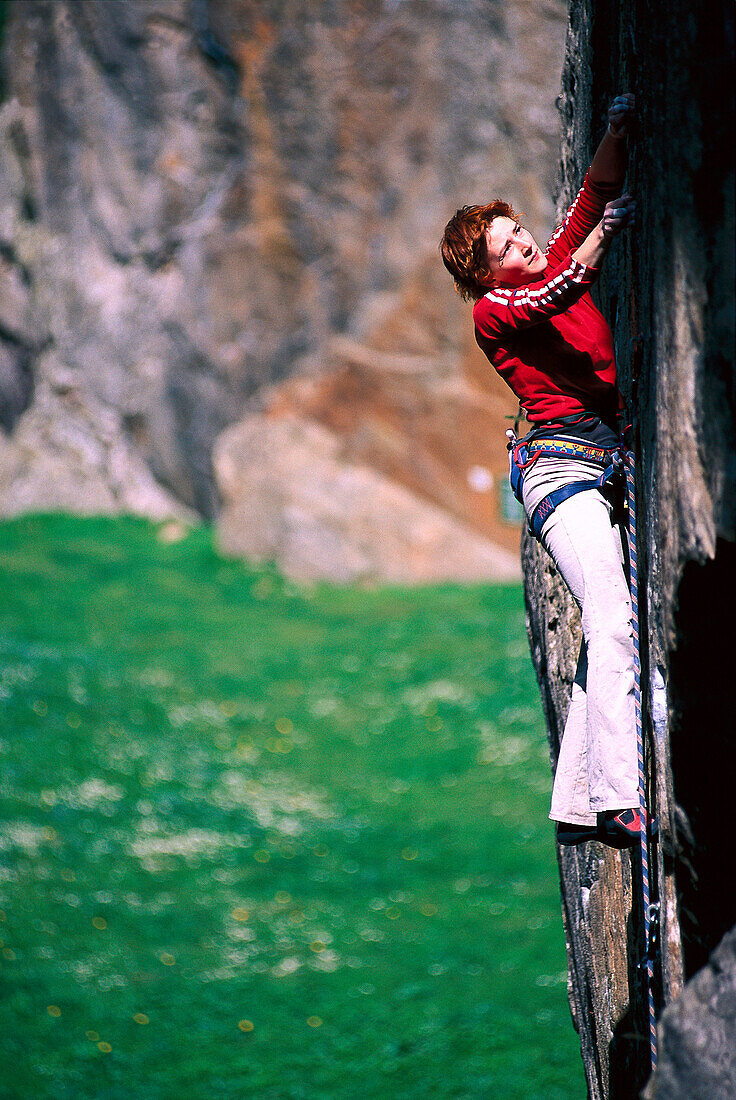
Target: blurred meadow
[258,837]
[263,840]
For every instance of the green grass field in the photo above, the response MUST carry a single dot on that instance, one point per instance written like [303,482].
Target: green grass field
[266,841]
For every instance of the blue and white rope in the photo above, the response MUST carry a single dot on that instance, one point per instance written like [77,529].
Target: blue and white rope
[646,899]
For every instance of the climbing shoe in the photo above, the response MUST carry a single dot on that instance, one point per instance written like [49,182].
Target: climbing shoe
[622,828]
[569,834]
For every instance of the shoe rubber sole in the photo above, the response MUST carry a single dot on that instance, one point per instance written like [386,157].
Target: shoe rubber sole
[569,836]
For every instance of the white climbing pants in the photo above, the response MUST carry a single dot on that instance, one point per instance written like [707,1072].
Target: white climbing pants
[597,764]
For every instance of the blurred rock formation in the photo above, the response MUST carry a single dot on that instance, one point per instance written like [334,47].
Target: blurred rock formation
[227,208]
[296,502]
[668,290]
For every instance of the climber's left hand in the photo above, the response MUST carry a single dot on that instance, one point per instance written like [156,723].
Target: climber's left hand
[621,114]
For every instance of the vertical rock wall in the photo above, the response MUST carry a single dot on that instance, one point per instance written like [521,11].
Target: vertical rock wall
[668,291]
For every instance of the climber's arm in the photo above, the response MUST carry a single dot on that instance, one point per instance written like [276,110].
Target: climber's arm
[603,181]
[609,162]
[505,308]
[617,215]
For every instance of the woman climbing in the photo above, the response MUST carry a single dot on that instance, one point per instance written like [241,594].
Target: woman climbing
[538,326]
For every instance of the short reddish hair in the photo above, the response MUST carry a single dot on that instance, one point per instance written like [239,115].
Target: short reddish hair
[463,246]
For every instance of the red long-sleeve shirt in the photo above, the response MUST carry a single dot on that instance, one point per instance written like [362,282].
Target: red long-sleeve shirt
[547,339]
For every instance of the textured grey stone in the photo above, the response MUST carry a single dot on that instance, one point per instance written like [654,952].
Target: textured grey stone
[697,1059]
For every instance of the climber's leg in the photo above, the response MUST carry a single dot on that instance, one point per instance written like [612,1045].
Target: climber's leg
[587,551]
[570,797]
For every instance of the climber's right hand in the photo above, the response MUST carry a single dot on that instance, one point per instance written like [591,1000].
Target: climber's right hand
[621,114]
[618,214]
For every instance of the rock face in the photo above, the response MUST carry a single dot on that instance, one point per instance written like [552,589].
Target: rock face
[198,198]
[696,1057]
[668,291]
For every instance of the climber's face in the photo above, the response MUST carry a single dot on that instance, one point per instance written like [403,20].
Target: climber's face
[514,256]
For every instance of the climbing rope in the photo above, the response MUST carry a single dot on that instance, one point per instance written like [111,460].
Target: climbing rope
[650,909]
[522,453]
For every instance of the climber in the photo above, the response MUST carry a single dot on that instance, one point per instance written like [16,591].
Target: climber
[537,324]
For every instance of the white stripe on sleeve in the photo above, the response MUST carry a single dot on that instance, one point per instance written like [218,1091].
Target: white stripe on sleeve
[544,295]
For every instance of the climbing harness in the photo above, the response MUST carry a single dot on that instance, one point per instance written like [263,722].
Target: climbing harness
[523,453]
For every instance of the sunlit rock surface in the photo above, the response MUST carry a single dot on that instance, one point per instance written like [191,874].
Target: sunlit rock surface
[197,199]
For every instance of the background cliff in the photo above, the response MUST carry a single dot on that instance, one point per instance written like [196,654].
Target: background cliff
[668,291]
[200,200]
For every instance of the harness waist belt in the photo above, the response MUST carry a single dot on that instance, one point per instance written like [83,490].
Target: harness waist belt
[570,448]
